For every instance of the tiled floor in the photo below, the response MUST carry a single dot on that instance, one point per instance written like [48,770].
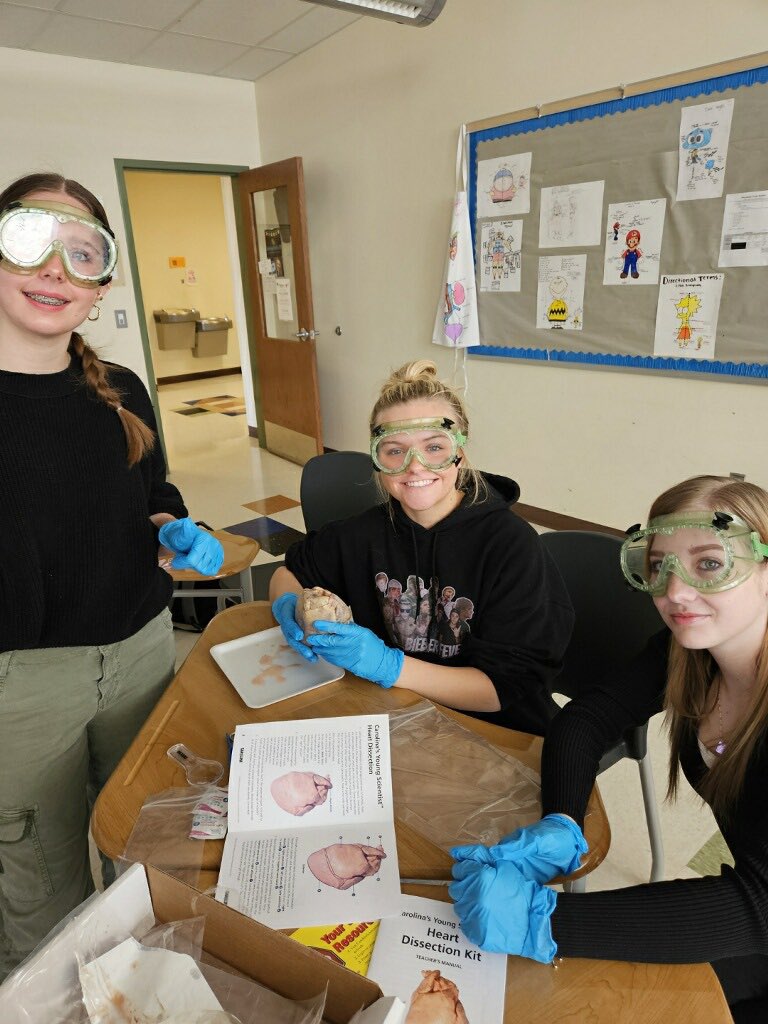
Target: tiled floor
[226,479]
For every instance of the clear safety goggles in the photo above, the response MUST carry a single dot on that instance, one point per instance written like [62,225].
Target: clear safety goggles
[30,233]
[710,552]
[434,442]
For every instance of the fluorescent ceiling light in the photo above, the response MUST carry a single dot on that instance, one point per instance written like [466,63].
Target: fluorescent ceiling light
[418,12]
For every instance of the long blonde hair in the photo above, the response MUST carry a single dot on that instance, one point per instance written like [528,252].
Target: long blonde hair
[691,673]
[419,379]
[139,437]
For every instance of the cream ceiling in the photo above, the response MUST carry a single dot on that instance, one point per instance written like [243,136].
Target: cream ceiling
[230,38]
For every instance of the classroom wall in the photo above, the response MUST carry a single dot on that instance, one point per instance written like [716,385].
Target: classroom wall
[75,116]
[374,111]
[182,215]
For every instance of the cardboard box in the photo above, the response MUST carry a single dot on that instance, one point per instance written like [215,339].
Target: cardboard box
[134,901]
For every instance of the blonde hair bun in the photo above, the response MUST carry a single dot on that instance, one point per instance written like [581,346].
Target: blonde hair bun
[416,370]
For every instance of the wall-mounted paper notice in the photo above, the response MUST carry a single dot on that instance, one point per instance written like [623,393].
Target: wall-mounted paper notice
[284,302]
[744,242]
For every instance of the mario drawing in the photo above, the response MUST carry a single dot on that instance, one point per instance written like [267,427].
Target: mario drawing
[631,255]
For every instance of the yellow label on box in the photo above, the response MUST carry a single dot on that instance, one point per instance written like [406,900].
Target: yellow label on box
[349,944]
[177,261]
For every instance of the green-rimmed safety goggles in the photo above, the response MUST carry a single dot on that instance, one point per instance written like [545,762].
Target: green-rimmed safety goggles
[30,233]
[709,551]
[434,442]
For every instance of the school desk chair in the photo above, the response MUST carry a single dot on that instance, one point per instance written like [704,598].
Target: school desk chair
[613,624]
[336,486]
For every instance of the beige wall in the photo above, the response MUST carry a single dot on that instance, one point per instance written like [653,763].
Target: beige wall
[182,215]
[374,111]
[76,116]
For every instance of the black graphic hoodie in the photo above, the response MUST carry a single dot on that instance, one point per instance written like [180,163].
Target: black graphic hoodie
[476,589]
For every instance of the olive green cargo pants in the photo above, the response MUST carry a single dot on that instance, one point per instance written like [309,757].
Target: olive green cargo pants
[67,716]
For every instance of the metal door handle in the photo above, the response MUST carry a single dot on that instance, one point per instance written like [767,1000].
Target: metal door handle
[302,335]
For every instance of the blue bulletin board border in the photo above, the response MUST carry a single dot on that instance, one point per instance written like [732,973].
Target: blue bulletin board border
[703,87]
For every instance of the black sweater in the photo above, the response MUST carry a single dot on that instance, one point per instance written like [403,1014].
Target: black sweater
[682,921]
[78,553]
[513,616]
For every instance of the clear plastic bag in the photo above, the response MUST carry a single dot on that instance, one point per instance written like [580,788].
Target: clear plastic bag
[161,835]
[192,981]
[454,787]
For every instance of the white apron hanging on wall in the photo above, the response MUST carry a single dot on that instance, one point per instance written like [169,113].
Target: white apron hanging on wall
[456,323]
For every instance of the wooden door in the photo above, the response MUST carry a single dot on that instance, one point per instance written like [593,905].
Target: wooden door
[280,289]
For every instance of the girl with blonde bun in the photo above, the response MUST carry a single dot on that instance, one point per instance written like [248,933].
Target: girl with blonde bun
[443,528]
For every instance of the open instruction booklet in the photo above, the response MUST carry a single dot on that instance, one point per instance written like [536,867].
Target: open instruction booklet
[422,957]
[311,826]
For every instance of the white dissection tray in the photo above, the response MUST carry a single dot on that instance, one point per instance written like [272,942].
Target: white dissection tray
[264,669]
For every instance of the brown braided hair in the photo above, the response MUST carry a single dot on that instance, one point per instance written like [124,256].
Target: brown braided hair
[139,437]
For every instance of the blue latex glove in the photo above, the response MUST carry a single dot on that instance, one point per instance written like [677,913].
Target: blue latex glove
[193,548]
[550,847]
[502,912]
[358,650]
[284,610]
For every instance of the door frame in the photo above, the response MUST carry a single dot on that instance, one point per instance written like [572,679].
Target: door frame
[231,171]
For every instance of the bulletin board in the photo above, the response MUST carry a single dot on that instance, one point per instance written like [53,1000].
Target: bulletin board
[644,146]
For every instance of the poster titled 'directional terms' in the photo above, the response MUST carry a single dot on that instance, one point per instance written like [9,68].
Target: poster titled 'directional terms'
[686,316]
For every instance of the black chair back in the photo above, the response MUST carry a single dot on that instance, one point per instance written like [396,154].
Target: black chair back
[336,486]
[613,621]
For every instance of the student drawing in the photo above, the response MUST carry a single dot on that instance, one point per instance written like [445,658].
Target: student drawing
[631,254]
[557,312]
[560,292]
[500,256]
[298,793]
[454,300]
[687,315]
[686,307]
[503,187]
[704,135]
[344,865]
[436,1001]
[628,223]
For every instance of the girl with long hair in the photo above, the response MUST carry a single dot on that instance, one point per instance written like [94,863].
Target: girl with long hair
[702,558]
[86,642]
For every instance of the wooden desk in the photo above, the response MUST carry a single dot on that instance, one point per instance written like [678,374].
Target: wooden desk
[581,991]
[200,707]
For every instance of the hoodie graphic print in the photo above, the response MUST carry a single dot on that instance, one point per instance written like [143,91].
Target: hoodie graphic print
[424,620]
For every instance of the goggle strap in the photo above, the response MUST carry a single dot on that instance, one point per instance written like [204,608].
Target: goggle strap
[721,520]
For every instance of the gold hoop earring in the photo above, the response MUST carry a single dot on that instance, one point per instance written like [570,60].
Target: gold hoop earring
[93,319]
